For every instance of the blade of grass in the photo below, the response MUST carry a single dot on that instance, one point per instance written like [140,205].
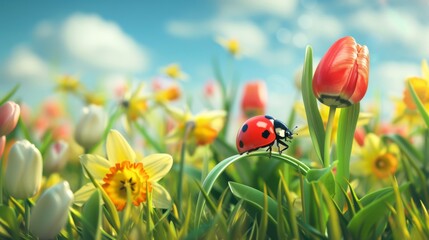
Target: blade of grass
[9,94]
[419,104]
[314,120]
[220,168]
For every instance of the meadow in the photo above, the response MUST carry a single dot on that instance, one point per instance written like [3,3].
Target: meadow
[138,165]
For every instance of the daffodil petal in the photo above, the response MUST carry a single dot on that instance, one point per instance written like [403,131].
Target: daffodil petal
[160,197]
[82,195]
[96,165]
[157,165]
[118,150]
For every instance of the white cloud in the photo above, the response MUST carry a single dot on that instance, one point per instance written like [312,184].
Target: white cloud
[25,65]
[393,26]
[253,40]
[389,77]
[102,44]
[278,8]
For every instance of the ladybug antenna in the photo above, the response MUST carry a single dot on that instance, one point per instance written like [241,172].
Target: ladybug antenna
[293,130]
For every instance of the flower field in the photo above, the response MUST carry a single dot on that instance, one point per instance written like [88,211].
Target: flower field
[143,165]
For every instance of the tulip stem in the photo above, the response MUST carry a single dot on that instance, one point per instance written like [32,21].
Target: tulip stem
[328,134]
[27,216]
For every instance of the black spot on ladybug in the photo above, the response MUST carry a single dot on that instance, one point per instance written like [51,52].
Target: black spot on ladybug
[245,127]
[265,134]
[241,144]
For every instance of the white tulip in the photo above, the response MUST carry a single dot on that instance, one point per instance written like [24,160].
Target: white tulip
[50,213]
[23,174]
[91,126]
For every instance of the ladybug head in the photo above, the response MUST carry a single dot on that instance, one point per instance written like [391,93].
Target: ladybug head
[290,133]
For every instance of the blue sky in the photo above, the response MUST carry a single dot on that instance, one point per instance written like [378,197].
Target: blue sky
[102,40]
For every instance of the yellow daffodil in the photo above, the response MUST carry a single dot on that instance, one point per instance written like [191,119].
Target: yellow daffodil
[135,104]
[204,127]
[174,71]
[94,98]
[68,83]
[374,161]
[124,171]
[406,108]
[170,93]
[231,45]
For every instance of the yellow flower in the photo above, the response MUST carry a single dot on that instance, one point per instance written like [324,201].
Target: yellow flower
[124,171]
[231,45]
[94,98]
[173,71]
[68,83]
[375,161]
[204,127]
[406,108]
[170,93]
[135,105]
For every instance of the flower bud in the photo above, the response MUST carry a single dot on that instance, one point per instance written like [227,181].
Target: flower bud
[91,126]
[23,174]
[254,99]
[56,157]
[9,115]
[50,213]
[341,78]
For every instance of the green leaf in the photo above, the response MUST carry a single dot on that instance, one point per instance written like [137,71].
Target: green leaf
[91,214]
[256,198]
[220,168]
[314,120]
[111,213]
[9,94]
[419,104]
[334,229]
[367,222]
[291,216]
[345,135]
[8,221]
[323,175]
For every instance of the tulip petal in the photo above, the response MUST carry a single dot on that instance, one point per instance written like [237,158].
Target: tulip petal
[160,197]
[96,165]
[82,195]
[157,165]
[118,150]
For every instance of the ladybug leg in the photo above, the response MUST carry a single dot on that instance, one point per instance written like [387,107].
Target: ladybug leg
[269,149]
[280,142]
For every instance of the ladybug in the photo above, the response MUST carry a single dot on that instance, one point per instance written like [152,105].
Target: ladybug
[262,131]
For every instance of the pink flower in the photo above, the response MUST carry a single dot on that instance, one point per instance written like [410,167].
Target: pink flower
[9,115]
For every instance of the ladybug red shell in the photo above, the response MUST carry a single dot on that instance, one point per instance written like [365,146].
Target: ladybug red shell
[262,131]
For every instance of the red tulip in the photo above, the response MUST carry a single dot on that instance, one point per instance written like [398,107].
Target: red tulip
[254,98]
[341,78]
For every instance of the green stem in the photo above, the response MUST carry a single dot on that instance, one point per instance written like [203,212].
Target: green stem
[188,128]
[205,170]
[328,134]
[27,216]
[149,221]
